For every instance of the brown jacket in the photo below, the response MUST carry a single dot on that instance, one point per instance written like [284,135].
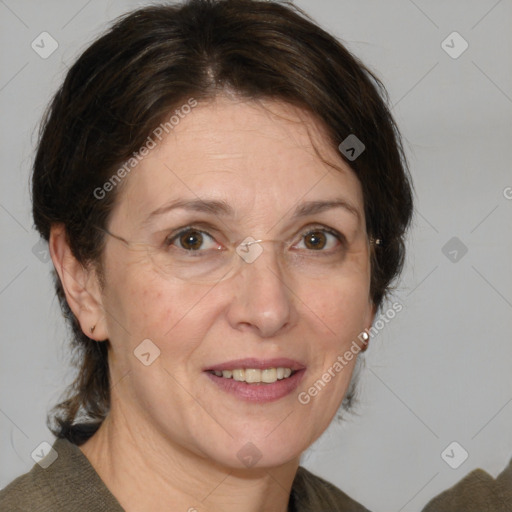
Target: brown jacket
[477,492]
[70,484]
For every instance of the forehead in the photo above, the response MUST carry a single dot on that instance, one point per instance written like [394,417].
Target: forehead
[257,156]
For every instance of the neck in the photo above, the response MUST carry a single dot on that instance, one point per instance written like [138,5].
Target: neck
[146,473]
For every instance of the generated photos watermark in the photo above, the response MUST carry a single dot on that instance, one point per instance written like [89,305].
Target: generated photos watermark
[304,397]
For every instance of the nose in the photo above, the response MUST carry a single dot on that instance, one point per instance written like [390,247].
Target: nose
[262,300]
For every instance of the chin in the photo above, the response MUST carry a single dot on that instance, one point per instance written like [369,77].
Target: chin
[257,452]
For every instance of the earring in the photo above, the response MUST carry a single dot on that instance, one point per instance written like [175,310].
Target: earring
[366,338]
[92,329]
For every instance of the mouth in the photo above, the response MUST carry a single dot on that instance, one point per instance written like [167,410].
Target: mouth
[257,380]
[255,375]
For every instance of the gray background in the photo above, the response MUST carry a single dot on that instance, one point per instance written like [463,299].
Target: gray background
[440,371]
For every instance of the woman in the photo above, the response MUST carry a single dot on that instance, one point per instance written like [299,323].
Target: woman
[225,198]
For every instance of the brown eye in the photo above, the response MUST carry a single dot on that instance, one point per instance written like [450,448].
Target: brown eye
[322,240]
[191,240]
[315,240]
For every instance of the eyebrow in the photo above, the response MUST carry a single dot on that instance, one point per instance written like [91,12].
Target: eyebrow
[223,208]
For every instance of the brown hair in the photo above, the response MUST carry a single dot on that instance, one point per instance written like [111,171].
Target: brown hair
[150,62]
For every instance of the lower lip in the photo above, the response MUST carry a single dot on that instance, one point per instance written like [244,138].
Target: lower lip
[259,393]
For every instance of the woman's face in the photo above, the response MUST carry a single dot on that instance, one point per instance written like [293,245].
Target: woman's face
[300,305]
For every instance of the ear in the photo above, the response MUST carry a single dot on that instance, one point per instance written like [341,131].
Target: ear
[81,286]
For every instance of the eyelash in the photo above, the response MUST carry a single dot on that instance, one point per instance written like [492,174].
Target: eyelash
[311,229]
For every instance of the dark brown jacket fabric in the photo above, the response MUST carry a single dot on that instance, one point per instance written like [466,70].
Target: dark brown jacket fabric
[477,492]
[70,484]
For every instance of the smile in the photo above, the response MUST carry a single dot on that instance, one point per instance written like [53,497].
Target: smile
[255,375]
[257,380]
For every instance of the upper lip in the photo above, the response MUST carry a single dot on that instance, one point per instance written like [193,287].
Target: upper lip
[236,364]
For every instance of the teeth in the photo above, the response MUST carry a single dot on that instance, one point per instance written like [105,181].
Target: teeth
[255,375]
[252,375]
[269,375]
[239,375]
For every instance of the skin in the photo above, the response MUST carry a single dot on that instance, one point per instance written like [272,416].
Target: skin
[172,436]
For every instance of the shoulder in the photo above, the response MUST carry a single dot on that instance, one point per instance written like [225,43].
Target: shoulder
[62,480]
[33,490]
[15,497]
[477,492]
[310,493]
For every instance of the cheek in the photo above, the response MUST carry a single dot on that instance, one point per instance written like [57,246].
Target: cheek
[175,315]
[137,308]
[340,309]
